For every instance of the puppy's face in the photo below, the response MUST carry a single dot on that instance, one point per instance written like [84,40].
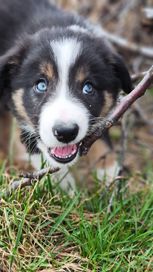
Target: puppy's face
[56,85]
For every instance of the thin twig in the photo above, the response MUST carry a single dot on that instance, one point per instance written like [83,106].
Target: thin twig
[117,182]
[101,126]
[29,179]
[125,128]
[137,76]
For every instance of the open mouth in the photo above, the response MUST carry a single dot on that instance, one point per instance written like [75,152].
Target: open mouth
[64,154]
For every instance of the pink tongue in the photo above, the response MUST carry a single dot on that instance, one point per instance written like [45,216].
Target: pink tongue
[64,151]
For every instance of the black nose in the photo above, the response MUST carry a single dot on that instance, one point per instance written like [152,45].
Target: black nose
[65,133]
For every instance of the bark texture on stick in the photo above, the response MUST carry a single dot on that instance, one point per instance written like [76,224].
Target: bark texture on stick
[101,126]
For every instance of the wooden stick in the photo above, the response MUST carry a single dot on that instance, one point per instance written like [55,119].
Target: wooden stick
[29,179]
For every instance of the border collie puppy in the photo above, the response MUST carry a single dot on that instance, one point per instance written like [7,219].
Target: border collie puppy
[57,75]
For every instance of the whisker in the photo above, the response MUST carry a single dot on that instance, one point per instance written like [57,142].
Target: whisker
[29,141]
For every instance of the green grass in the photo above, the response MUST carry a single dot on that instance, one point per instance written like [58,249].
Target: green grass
[43,229]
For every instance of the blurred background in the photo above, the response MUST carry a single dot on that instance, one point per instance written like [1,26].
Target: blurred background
[130,24]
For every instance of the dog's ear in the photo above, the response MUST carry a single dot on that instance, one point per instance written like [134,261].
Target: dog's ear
[122,73]
[10,64]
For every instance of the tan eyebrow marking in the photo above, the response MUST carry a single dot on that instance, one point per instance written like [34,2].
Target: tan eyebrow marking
[47,69]
[81,75]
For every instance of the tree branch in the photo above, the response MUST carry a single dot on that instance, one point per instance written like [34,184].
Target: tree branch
[101,126]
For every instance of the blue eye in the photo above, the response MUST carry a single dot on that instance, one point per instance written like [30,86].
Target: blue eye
[41,86]
[88,88]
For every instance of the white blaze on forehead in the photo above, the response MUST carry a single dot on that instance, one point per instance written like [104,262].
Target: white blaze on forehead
[65,52]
